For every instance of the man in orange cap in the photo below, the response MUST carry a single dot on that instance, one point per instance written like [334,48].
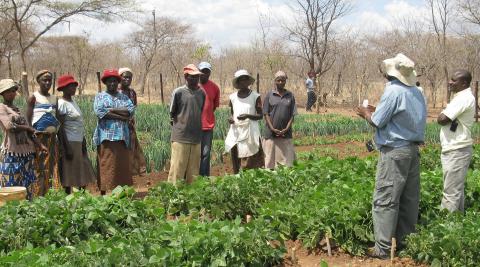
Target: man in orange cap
[186,118]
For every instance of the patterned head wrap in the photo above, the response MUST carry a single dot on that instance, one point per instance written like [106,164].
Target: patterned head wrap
[42,73]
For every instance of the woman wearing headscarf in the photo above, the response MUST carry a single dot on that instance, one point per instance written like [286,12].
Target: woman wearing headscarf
[112,136]
[19,141]
[279,109]
[76,169]
[42,115]
[137,159]
[243,138]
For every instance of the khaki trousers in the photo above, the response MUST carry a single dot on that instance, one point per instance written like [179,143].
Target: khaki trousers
[455,167]
[278,151]
[184,162]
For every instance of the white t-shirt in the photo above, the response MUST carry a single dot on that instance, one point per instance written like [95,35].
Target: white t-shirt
[73,120]
[309,84]
[461,108]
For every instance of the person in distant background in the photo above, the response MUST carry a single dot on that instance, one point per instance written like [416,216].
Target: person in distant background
[76,169]
[243,138]
[212,102]
[279,109]
[311,96]
[137,158]
[42,115]
[456,138]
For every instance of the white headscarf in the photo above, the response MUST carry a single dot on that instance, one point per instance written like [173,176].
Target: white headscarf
[123,70]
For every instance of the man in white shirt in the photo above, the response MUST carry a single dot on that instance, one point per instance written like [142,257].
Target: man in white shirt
[456,139]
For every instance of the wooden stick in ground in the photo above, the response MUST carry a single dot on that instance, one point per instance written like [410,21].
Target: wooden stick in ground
[329,248]
[99,82]
[248,218]
[25,84]
[394,247]
[294,254]
[476,101]
[54,85]
[258,82]
[161,89]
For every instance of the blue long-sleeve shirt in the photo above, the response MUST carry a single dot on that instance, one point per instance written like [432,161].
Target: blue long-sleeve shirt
[400,116]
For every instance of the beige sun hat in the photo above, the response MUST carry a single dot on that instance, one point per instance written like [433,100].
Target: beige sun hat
[240,73]
[402,68]
[6,84]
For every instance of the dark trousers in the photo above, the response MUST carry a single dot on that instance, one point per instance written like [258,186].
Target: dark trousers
[207,137]
[311,99]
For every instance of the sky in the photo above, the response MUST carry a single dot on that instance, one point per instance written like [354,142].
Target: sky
[226,23]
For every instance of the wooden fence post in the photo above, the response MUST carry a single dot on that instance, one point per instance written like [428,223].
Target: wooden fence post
[258,82]
[161,89]
[25,84]
[476,101]
[99,82]
[54,82]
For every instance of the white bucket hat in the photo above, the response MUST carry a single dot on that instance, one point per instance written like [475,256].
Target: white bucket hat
[6,84]
[240,73]
[402,68]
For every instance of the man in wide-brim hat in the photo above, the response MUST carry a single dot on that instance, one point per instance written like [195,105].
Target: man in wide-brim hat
[399,120]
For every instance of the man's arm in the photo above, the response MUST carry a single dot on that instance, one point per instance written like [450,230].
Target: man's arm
[443,119]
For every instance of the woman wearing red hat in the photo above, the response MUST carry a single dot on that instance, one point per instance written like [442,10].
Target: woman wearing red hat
[76,169]
[112,136]
[42,115]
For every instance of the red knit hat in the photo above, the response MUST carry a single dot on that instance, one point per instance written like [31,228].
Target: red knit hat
[65,80]
[111,73]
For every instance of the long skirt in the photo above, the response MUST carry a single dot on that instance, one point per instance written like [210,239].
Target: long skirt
[278,151]
[77,171]
[253,162]
[311,99]
[17,171]
[46,166]
[113,165]
[137,159]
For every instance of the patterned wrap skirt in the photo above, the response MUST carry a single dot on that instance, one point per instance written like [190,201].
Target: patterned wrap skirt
[17,170]
[46,166]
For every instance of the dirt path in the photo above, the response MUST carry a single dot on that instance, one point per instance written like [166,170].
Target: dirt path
[299,256]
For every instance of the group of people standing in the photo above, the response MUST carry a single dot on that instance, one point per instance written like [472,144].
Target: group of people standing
[400,121]
[46,148]
[192,117]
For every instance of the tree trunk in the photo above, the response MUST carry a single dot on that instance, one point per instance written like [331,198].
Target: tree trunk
[9,62]
[319,94]
[24,74]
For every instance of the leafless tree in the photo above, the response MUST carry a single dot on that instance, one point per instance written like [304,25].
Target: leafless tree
[43,15]
[441,13]
[156,35]
[314,33]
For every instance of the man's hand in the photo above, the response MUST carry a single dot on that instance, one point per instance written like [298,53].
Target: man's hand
[363,112]
[371,108]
